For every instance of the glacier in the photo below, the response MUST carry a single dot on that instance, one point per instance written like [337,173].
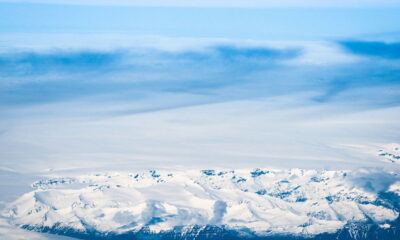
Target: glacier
[214,204]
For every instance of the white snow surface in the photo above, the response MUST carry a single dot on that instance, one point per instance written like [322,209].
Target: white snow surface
[263,201]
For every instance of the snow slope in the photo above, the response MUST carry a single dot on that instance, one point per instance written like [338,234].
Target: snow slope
[260,201]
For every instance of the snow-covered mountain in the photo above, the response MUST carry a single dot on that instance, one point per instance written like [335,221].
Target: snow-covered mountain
[390,153]
[216,204]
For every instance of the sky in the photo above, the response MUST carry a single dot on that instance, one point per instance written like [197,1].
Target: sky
[271,23]
[224,3]
[158,84]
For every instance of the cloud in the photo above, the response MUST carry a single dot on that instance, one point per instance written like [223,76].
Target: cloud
[368,76]
[227,103]
[84,60]
[219,212]
[373,180]
[36,63]
[373,49]
[255,53]
[210,73]
[54,75]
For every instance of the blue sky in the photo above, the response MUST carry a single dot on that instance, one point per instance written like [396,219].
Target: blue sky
[164,83]
[203,22]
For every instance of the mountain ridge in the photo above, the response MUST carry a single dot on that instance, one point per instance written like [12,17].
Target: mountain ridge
[242,203]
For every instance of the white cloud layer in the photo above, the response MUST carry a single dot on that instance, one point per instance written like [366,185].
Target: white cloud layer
[195,103]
